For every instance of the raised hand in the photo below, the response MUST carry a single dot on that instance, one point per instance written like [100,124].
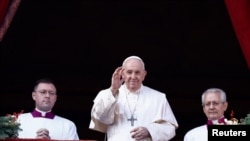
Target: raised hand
[116,81]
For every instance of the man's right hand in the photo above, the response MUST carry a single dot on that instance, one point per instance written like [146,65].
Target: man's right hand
[116,81]
[43,133]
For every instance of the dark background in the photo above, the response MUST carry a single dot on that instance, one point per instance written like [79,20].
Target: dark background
[187,46]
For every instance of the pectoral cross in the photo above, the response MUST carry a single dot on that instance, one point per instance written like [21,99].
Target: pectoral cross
[132,119]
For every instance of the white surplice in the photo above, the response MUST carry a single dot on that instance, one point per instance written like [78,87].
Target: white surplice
[110,114]
[199,133]
[59,128]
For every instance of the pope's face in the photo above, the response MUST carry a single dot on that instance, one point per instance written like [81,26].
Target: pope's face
[213,106]
[45,96]
[133,74]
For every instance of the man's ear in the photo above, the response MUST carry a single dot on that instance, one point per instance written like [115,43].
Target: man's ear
[225,106]
[122,73]
[33,95]
[145,73]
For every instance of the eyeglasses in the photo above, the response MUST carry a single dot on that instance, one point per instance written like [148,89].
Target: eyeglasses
[44,92]
[214,103]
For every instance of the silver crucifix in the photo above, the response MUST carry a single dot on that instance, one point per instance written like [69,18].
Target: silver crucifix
[132,119]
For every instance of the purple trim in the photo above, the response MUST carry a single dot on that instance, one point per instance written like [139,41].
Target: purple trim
[221,120]
[49,115]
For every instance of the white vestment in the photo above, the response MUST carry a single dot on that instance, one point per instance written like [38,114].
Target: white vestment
[110,114]
[59,128]
[199,133]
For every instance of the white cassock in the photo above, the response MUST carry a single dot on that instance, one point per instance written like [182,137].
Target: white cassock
[59,127]
[199,133]
[151,109]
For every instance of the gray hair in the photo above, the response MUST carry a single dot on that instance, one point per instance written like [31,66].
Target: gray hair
[214,90]
[133,57]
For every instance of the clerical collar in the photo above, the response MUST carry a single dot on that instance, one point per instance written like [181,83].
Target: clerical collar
[216,122]
[136,92]
[37,113]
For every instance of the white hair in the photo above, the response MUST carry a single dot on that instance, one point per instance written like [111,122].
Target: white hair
[214,90]
[133,57]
